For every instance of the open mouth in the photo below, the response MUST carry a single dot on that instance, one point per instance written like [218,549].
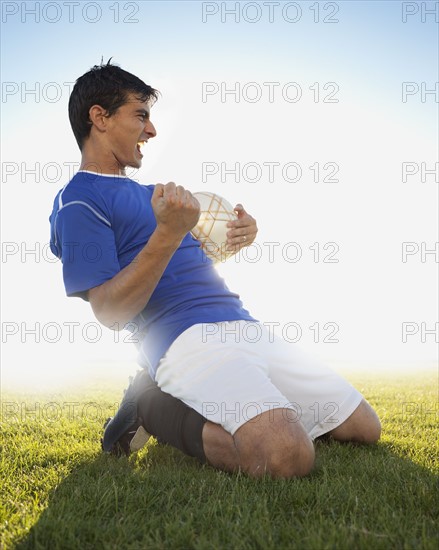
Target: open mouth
[140,144]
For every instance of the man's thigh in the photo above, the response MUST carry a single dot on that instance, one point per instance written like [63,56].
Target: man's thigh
[323,398]
[224,379]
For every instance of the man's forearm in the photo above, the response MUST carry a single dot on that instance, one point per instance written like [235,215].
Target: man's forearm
[120,299]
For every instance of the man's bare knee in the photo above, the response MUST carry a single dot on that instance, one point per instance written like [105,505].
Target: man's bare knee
[293,460]
[363,426]
[372,430]
[271,444]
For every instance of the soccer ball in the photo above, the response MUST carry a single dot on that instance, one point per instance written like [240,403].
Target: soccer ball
[211,229]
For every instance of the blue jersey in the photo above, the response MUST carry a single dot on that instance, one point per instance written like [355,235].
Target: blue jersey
[99,223]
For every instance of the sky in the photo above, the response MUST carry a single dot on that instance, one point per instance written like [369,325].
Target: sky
[321,118]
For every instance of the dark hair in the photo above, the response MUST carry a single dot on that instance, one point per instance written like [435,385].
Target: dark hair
[105,85]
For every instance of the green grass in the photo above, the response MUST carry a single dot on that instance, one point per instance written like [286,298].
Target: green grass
[60,491]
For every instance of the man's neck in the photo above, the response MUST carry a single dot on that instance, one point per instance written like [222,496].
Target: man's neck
[95,159]
[97,168]
[101,166]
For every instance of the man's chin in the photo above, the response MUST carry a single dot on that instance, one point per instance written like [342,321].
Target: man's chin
[134,164]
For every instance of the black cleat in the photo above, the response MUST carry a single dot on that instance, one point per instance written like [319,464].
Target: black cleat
[131,441]
[124,432]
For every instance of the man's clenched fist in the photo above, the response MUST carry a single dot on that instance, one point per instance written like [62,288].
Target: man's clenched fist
[176,210]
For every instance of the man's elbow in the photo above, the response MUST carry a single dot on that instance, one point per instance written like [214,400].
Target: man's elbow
[109,319]
[111,323]
[103,313]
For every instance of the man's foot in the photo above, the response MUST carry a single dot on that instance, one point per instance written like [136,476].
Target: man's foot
[131,441]
[124,432]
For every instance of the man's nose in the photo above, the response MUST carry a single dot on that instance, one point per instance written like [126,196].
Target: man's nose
[150,129]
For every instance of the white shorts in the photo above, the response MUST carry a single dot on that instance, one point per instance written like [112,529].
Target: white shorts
[232,371]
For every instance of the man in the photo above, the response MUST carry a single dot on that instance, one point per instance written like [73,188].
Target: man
[253,406]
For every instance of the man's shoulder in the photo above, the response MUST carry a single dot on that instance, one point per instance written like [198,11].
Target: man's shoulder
[101,192]
[79,188]
[92,183]
[104,183]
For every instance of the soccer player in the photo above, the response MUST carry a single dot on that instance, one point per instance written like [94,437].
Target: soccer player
[253,405]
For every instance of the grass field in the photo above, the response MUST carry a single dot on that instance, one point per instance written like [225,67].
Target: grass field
[60,492]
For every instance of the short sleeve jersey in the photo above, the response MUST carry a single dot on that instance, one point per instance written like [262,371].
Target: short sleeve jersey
[99,223]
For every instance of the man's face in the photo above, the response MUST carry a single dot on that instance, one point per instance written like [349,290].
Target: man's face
[128,130]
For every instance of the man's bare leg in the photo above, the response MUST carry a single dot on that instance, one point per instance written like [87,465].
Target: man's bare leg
[268,444]
[219,448]
[277,447]
[363,426]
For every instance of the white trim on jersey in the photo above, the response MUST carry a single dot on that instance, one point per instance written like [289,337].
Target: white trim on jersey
[89,207]
[103,175]
[69,204]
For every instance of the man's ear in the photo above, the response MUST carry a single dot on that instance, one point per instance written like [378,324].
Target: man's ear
[98,117]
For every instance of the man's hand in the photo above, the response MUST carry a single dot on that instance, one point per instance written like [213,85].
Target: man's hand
[176,210]
[242,231]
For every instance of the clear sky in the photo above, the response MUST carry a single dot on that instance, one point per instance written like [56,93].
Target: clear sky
[327,112]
